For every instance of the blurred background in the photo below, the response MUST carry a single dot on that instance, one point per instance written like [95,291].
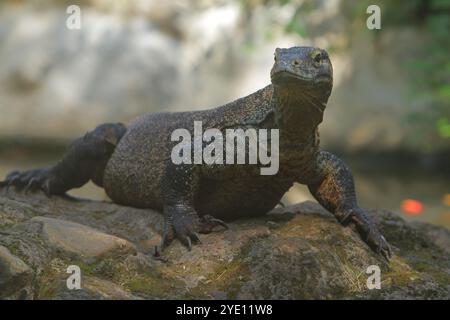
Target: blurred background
[388,116]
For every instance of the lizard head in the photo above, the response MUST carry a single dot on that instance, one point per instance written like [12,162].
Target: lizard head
[302,67]
[302,78]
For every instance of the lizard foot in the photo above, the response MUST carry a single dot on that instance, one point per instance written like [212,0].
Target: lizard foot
[183,227]
[158,256]
[208,223]
[370,234]
[31,180]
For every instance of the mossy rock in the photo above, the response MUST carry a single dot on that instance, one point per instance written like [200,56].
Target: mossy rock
[298,252]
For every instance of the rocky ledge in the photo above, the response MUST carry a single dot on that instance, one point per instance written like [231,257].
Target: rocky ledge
[298,252]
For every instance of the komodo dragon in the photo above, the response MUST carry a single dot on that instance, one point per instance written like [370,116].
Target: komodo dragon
[133,163]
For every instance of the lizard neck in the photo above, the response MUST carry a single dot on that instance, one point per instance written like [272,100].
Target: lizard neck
[298,111]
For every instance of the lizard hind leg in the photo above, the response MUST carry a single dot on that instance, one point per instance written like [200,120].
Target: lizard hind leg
[85,159]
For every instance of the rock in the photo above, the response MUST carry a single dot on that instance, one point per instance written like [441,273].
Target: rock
[440,236]
[108,290]
[81,240]
[92,288]
[15,276]
[297,252]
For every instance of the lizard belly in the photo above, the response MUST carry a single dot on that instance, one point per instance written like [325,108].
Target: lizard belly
[237,197]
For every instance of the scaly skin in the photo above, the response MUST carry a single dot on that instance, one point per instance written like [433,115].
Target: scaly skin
[134,166]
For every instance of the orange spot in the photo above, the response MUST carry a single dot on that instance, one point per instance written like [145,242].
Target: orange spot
[446,200]
[412,207]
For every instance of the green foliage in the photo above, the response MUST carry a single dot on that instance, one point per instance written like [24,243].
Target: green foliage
[443,126]
[429,65]
[430,73]
[300,8]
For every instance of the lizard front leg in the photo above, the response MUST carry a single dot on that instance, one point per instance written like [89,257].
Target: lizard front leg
[179,186]
[331,183]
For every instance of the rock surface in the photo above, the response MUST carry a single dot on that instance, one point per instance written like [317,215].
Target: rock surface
[81,240]
[298,252]
[15,275]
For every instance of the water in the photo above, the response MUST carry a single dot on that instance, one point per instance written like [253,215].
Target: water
[376,188]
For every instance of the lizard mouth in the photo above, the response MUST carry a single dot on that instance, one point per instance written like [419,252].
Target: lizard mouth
[283,77]
[323,78]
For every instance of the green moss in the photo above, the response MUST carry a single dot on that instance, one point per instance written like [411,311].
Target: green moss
[13,248]
[151,286]
[232,277]
[228,278]
[400,273]
[49,282]
[53,277]
[47,289]
[307,226]
[425,263]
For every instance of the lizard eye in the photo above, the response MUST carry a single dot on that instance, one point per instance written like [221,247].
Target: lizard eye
[318,58]
[275,58]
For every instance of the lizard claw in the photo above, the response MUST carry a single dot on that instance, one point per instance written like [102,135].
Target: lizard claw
[181,226]
[208,223]
[384,249]
[7,182]
[32,185]
[189,243]
[378,243]
[12,181]
[46,188]
[157,255]
[183,222]
[168,236]
[371,235]
[31,180]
